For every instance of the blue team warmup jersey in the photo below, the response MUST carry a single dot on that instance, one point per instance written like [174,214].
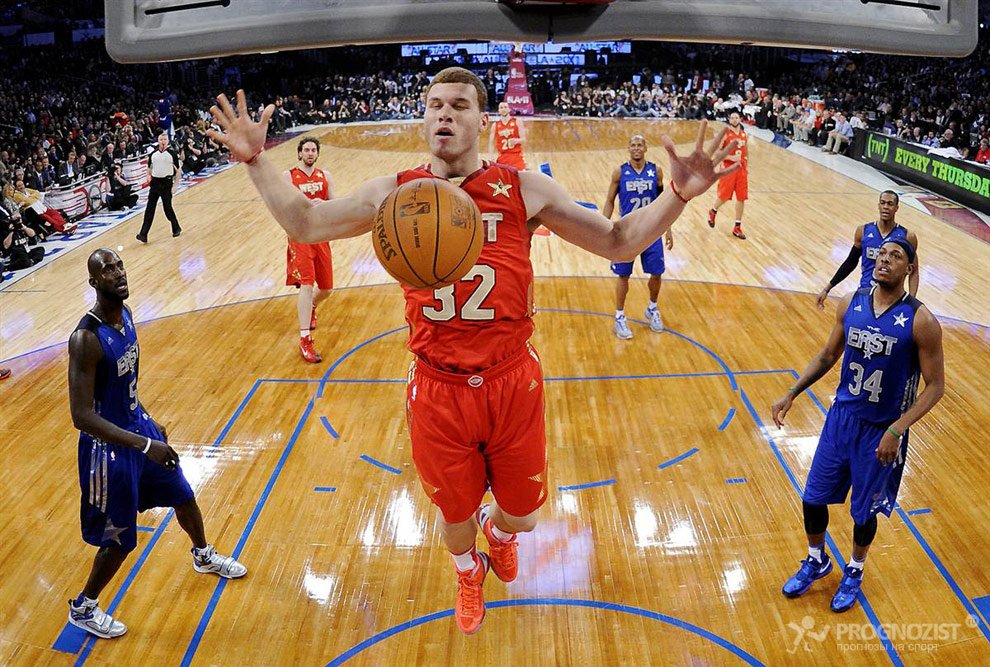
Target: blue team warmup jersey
[880,369]
[636,190]
[870,249]
[117,482]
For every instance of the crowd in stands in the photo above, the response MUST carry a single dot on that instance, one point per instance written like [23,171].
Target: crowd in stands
[82,114]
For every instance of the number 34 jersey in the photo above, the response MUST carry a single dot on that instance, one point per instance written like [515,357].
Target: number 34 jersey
[487,315]
[880,368]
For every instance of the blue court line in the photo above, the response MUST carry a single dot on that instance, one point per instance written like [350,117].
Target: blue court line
[343,357]
[324,489]
[553,602]
[545,168]
[648,376]
[590,127]
[718,359]
[383,466]
[91,640]
[571,127]
[983,606]
[145,529]
[923,510]
[728,418]
[245,534]
[736,480]
[23,291]
[678,459]
[328,427]
[811,394]
[836,554]
[936,561]
[589,485]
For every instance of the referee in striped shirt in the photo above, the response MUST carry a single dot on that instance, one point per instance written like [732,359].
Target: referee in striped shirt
[165,175]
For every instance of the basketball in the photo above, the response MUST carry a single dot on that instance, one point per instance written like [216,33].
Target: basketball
[428,233]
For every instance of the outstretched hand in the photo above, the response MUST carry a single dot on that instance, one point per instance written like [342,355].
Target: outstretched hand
[243,137]
[695,173]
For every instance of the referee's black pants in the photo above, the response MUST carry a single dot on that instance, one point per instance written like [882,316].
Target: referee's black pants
[161,188]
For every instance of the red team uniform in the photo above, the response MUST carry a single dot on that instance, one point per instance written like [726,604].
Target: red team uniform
[307,263]
[474,401]
[738,181]
[511,156]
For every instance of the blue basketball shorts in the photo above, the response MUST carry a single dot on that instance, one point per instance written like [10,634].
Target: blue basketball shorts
[847,457]
[117,482]
[651,260]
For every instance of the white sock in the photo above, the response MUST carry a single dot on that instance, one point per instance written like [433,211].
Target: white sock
[738,223]
[464,562]
[304,333]
[201,552]
[856,564]
[652,306]
[501,535]
[816,552]
[82,600]
[620,314]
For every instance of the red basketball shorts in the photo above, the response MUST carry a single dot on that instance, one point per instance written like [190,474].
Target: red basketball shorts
[306,264]
[736,183]
[512,159]
[472,432]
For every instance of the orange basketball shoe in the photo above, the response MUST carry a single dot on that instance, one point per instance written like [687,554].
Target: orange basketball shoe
[711,217]
[738,232]
[504,555]
[308,352]
[312,319]
[469,610]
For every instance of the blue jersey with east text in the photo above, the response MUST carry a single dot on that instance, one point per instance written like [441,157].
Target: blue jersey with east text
[872,240]
[115,394]
[880,368]
[638,188]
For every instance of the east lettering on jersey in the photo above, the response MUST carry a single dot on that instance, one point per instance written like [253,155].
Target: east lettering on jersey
[638,188]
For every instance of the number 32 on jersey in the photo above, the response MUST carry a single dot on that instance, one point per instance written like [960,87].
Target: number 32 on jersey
[472,309]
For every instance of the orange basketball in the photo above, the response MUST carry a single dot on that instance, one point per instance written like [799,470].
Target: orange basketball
[428,233]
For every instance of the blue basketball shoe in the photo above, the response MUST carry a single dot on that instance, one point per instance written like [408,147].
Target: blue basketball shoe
[810,572]
[845,598]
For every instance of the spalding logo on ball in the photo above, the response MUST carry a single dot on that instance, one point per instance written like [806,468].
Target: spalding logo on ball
[428,233]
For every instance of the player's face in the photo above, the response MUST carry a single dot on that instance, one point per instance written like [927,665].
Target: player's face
[308,154]
[637,150]
[503,109]
[110,278]
[887,207]
[892,266]
[453,120]
[734,119]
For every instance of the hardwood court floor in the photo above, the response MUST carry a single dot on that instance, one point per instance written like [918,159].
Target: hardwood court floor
[686,518]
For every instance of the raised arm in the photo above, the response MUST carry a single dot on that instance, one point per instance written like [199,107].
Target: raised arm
[613,192]
[304,220]
[819,366]
[547,203]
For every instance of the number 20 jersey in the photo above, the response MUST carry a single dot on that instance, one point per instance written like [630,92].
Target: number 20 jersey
[487,315]
[880,368]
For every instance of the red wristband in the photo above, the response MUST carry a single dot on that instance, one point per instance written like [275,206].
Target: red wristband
[254,157]
[676,193]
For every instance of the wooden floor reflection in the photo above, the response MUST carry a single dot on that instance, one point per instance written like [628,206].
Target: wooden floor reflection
[676,513]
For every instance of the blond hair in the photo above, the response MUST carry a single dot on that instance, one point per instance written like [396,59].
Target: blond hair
[461,75]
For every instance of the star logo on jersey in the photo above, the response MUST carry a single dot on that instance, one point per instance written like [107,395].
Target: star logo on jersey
[900,320]
[112,532]
[651,173]
[500,188]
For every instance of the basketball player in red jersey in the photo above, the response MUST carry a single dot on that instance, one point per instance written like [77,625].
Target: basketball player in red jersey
[507,137]
[475,394]
[309,263]
[736,183]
